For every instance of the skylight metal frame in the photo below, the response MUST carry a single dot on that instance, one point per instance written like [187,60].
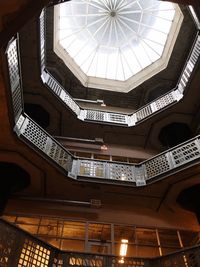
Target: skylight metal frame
[115,84]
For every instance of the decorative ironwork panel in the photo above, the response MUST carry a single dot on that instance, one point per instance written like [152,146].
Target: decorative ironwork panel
[31,131]
[34,255]
[188,258]
[13,65]
[38,137]
[68,100]
[129,262]
[121,172]
[17,101]
[185,153]
[60,155]
[54,85]
[86,260]
[157,166]
[92,168]
[95,115]
[117,118]
[140,175]
[192,258]
[14,76]
[8,243]
[42,40]
[164,101]
[58,263]
[143,113]
[190,65]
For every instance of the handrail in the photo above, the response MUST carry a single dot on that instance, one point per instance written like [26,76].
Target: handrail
[20,248]
[117,118]
[147,172]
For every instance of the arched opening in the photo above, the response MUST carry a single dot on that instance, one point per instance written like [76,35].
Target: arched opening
[13,179]
[189,199]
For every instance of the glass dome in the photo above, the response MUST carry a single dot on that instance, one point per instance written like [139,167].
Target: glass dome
[113,40]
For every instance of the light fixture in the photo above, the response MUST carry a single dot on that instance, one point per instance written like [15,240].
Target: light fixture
[123,250]
[123,247]
[104,147]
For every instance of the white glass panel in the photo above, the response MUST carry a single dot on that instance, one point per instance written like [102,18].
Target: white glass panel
[114,39]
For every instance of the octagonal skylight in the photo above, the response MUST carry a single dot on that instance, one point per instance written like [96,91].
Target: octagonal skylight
[115,44]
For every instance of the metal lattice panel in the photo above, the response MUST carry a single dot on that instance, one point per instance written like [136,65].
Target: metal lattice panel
[54,85]
[34,255]
[190,65]
[143,113]
[8,239]
[117,118]
[95,115]
[185,153]
[157,166]
[130,262]
[92,168]
[121,172]
[13,66]
[164,101]
[68,100]
[17,102]
[34,134]
[42,40]
[59,155]
[192,259]
[140,172]
[14,75]
[89,261]
[57,263]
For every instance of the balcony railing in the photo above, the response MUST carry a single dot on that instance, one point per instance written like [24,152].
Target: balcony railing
[114,118]
[18,248]
[152,170]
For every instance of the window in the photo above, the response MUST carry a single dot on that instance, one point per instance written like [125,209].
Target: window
[109,44]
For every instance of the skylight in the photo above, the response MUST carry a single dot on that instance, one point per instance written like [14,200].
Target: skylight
[109,43]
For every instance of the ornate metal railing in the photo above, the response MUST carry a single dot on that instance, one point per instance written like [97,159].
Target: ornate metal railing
[186,258]
[115,118]
[13,62]
[18,248]
[141,174]
[32,133]
[149,171]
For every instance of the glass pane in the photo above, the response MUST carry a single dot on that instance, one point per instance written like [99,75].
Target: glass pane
[32,229]
[100,248]
[147,252]
[168,238]
[73,245]
[96,34]
[50,230]
[166,251]
[28,220]
[124,232]
[74,230]
[146,237]
[52,241]
[189,238]
[99,232]
[9,218]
